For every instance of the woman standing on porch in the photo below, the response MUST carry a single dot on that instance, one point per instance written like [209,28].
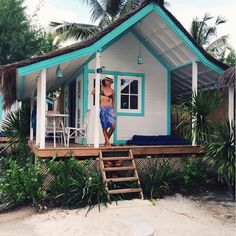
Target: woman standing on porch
[107,109]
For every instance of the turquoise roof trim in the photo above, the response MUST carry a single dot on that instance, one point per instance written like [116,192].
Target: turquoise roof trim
[186,40]
[88,50]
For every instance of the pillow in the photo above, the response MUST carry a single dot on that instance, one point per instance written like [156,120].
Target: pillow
[144,138]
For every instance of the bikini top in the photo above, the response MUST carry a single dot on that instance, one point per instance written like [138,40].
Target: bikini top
[105,95]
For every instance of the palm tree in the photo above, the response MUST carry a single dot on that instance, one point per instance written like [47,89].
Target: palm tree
[220,154]
[103,11]
[206,36]
[199,106]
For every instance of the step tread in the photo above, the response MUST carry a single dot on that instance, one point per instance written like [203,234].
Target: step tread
[119,168]
[116,158]
[125,190]
[122,179]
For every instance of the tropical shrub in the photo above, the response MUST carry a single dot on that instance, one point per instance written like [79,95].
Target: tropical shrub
[20,183]
[195,112]
[220,154]
[16,123]
[195,174]
[95,191]
[159,179]
[66,189]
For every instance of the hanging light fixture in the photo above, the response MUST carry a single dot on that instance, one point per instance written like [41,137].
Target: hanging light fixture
[59,74]
[139,58]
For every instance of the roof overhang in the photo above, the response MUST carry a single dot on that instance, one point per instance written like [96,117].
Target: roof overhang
[160,32]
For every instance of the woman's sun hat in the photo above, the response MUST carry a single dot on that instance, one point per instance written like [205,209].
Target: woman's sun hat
[107,78]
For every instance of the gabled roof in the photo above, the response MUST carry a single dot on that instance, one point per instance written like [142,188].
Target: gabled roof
[8,72]
[99,35]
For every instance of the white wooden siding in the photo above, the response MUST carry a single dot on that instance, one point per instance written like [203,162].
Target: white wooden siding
[122,56]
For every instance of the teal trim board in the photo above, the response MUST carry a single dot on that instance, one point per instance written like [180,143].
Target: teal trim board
[186,40]
[115,135]
[0,107]
[92,48]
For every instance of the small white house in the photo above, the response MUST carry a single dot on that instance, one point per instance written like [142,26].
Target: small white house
[172,65]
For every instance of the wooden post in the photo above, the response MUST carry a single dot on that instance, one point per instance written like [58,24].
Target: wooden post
[43,108]
[97,99]
[194,91]
[231,108]
[31,111]
[38,111]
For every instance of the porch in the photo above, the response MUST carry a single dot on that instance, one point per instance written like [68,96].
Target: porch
[85,152]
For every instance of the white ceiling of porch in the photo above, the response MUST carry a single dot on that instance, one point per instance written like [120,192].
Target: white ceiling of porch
[68,69]
[164,41]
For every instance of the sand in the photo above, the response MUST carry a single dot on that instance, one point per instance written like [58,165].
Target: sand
[174,215]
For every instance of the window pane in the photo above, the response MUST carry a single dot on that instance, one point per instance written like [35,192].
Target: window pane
[134,87]
[124,102]
[133,102]
[124,85]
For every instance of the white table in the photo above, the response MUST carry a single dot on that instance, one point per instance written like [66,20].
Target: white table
[57,120]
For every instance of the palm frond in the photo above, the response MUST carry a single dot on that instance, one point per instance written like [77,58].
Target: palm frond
[75,31]
[128,6]
[97,9]
[195,114]
[113,8]
[220,151]
[219,43]
[220,20]
[195,29]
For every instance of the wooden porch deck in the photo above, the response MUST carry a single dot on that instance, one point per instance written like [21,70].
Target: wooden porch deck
[85,152]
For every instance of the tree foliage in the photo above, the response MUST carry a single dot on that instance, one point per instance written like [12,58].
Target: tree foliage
[19,39]
[206,36]
[103,12]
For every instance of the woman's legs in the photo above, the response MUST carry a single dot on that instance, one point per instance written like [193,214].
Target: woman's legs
[106,137]
[111,130]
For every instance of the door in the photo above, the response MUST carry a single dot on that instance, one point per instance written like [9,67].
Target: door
[91,106]
[72,107]
[79,105]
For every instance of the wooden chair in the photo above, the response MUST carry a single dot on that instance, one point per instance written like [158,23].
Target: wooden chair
[73,132]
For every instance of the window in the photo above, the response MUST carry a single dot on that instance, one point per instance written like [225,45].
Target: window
[129,94]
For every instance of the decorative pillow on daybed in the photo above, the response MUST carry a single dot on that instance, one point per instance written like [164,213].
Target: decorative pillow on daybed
[156,140]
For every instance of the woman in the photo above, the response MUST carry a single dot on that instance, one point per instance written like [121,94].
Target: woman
[107,109]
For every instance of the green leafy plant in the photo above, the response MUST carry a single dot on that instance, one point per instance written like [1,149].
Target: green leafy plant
[195,174]
[159,179]
[220,154]
[20,183]
[16,123]
[95,191]
[195,112]
[67,186]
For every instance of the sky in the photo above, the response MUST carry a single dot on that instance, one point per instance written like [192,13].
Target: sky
[183,10]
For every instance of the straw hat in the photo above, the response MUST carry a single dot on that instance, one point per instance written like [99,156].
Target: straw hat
[107,78]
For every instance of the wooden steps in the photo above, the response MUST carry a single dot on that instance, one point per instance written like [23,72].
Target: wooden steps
[119,168]
[119,172]
[124,179]
[125,190]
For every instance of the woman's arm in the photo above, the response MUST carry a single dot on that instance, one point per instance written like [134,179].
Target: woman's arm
[93,92]
[113,103]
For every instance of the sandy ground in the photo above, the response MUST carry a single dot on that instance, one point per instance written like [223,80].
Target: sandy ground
[170,216]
